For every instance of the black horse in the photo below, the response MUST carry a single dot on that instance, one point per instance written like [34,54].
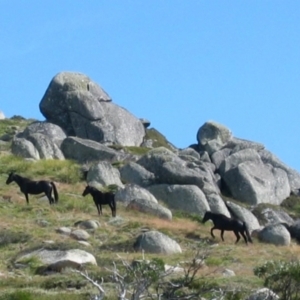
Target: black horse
[28,186]
[224,223]
[101,198]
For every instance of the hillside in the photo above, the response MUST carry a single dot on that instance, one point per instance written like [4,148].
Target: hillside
[24,227]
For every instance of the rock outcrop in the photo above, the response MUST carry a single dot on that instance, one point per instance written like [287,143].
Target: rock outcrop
[83,124]
[83,109]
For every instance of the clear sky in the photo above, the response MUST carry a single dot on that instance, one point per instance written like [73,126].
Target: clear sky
[176,63]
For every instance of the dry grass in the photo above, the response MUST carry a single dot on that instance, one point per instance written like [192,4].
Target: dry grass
[110,241]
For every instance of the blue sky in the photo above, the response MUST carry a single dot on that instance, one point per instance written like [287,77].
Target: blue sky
[176,63]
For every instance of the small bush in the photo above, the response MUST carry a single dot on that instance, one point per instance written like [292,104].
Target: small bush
[18,295]
[281,277]
[10,237]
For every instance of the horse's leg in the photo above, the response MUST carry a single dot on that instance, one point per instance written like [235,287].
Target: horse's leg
[244,236]
[222,235]
[51,199]
[49,196]
[237,236]
[211,231]
[112,209]
[27,199]
[98,208]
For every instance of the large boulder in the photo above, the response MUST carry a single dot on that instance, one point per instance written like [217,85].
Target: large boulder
[276,234]
[272,214]
[243,214]
[213,136]
[132,192]
[84,150]
[45,146]
[188,198]
[103,174]
[135,173]
[170,169]
[56,260]
[24,148]
[150,207]
[156,242]
[217,204]
[83,109]
[251,181]
[293,176]
[50,130]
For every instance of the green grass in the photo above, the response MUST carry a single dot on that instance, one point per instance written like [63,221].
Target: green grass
[65,171]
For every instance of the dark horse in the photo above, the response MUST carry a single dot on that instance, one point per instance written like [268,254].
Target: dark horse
[101,198]
[28,186]
[224,223]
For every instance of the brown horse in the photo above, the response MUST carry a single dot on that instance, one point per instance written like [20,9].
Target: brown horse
[28,186]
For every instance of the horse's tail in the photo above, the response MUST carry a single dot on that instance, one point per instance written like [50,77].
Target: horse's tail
[247,232]
[55,191]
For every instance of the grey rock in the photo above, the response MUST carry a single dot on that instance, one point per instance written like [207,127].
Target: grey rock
[213,136]
[217,204]
[251,181]
[50,130]
[228,273]
[276,234]
[187,198]
[293,176]
[132,192]
[135,173]
[237,144]
[24,148]
[276,215]
[84,150]
[83,109]
[244,215]
[156,242]
[150,207]
[103,174]
[88,224]
[219,156]
[263,294]
[64,230]
[170,169]
[80,235]
[189,152]
[45,146]
[56,260]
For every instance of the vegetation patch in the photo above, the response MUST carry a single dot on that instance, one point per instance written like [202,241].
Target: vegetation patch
[10,237]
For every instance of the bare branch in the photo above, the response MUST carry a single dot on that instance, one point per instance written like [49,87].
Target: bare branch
[93,282]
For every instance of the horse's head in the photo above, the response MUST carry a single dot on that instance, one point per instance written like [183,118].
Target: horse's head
[206,217]
[10,178]
[86,191]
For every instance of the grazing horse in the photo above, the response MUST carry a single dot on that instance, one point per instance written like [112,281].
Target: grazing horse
[224,223]
[101,198]
[28,186]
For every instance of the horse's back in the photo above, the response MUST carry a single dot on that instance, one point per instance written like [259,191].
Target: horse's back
[37,187]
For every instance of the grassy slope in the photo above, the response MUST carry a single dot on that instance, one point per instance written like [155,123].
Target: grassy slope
[20,229]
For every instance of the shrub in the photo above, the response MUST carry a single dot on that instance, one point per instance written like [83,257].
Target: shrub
[281,277]
[18,295]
